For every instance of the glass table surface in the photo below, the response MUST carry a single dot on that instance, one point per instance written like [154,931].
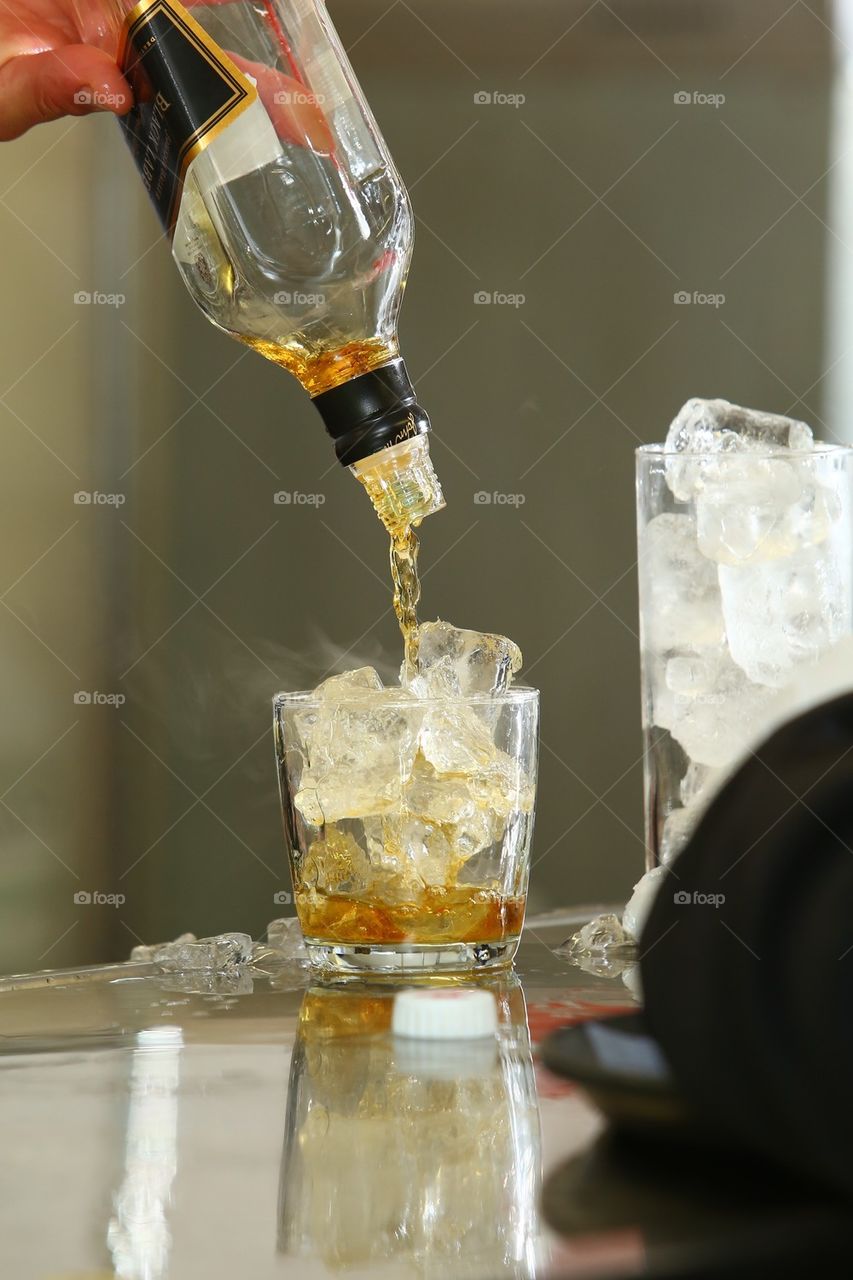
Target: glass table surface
[178,1126]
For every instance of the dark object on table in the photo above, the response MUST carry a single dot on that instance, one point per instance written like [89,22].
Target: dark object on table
[621,1068]
[751,999]
[697,1211]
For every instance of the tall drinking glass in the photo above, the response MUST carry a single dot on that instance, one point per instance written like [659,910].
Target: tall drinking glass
[408,823]
[745,577]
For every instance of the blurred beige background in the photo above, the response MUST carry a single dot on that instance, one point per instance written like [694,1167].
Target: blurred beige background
[194,597]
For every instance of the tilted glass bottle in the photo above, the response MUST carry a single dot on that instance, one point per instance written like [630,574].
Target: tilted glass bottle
[289,223]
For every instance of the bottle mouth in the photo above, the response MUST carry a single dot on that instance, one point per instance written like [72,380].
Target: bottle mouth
[402,484]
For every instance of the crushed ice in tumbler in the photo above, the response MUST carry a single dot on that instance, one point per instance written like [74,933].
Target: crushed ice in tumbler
[453,662]
[403,794]
[704,427]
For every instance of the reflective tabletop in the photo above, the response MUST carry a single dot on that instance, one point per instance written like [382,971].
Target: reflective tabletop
[158,1125]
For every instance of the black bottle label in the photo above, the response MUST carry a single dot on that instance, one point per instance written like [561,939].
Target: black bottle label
[186,90]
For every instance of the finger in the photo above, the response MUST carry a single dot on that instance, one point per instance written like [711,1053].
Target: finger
[71,81]
[295,112]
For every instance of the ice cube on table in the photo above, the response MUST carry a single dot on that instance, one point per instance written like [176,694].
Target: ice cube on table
[680,592]
[603,935]
[704,427]
[784,612]
[453,662]
[145,952]
[602,947]
[284,936]
[225,952]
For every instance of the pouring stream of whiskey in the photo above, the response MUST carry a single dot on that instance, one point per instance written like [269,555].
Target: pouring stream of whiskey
[407,590]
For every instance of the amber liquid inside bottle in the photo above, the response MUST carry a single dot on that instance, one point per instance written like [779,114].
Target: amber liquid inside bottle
[318,367]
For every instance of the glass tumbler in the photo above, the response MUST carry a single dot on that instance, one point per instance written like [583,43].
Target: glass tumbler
[408,824]
[745,577]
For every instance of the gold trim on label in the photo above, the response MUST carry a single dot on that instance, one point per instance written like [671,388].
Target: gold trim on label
[244,95]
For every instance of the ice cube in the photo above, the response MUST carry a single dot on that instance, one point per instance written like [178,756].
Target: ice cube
[680,592]
[453,739]
[690,674]
[762,509]
[706,427]
[661,711]
[784,612]
[601,947]
[604,934]
[453,662]
[364,680]
[698,783]
[423,846]
[469,812]
[831,677]
[220,954]
[145,952]
[334,863]
[284,936]
[743,513]
[358,753]
[677,830]
[714,727]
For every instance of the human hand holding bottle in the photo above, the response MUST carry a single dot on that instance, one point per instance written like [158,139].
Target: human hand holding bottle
[56,59]
[51,67]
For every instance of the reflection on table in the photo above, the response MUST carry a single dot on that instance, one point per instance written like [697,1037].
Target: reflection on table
[425,1154]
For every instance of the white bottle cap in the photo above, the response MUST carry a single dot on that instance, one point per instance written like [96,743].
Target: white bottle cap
[454,1013]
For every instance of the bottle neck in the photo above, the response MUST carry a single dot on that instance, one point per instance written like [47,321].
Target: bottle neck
[371,412]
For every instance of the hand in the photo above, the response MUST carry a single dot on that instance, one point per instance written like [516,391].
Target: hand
[46,71]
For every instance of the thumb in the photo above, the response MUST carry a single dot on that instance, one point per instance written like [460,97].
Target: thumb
[71,81]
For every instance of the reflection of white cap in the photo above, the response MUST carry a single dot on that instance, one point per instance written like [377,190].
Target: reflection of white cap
[455,1013]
